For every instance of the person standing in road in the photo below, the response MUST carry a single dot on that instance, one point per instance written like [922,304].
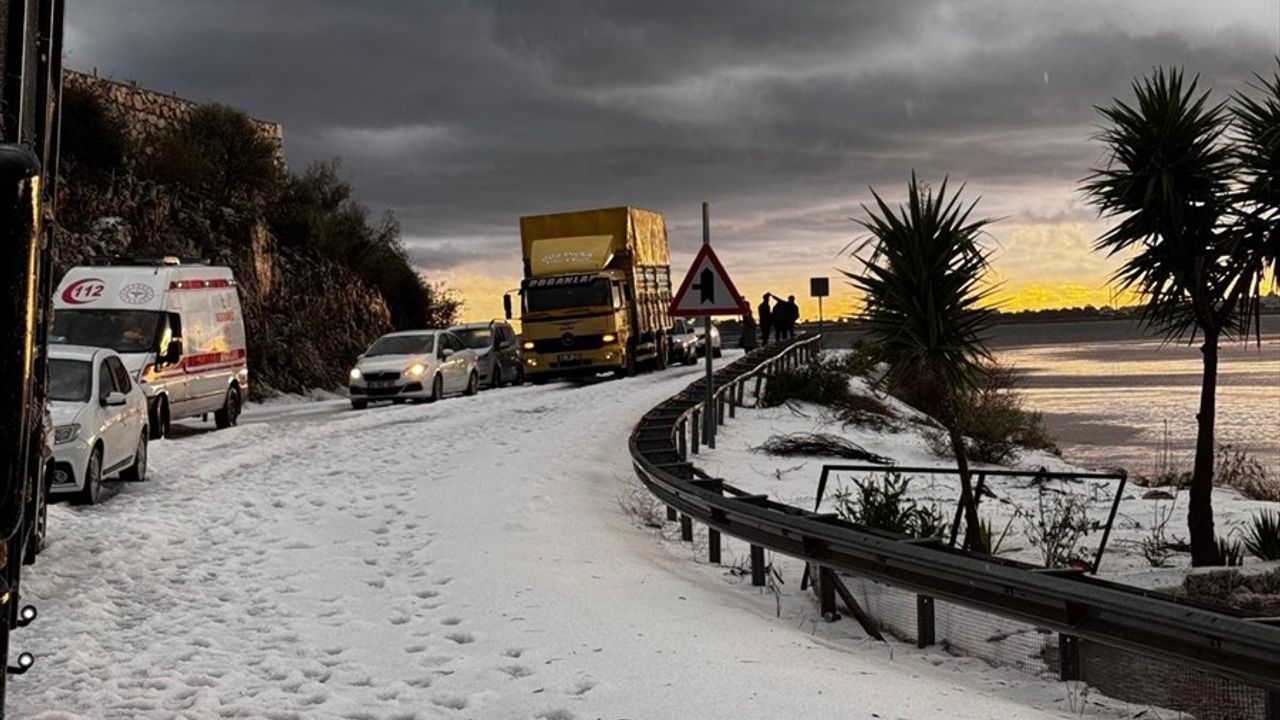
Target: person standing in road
[785,315]
[748,339]
[766,320]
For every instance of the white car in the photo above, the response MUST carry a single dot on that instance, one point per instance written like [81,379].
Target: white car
[702,341]
[100,421]
[684,341]
[413,365]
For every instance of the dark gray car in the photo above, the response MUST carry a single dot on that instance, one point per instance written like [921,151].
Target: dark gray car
[495,344]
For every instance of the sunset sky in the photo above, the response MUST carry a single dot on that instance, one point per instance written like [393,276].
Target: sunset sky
[461,116]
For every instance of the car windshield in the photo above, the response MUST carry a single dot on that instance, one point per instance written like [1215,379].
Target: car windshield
[125,331]
[565,297]
[70,380]
[475,338]
[402,345]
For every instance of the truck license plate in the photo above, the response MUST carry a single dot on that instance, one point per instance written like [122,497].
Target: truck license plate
[568,357]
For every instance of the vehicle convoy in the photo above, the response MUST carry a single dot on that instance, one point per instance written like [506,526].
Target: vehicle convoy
[417,365]
[100,415]
[177,326]
[596,288]
[495,346]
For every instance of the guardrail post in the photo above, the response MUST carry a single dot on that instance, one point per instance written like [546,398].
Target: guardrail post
[759,379]
[757,566]
[693,432]
[733,398]
[672,515]
[1068,657]
[926,634]
[713,545]
[1271,711]
[827,594]
[686,528]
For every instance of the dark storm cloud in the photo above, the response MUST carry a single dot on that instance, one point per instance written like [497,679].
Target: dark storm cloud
[462,116]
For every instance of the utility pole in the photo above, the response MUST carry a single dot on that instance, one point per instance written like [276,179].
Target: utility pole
[709,409]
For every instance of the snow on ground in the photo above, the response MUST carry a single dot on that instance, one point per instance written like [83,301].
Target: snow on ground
[466,559]
[794,480]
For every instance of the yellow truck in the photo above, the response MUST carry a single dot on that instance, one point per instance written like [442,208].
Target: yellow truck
[596,288]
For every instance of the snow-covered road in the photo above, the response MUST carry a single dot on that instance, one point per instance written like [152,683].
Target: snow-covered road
[464,559]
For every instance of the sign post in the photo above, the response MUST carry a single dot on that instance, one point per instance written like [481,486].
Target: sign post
[819,287]
[707,291]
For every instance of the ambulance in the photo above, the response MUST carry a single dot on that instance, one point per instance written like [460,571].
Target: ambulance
[176,324]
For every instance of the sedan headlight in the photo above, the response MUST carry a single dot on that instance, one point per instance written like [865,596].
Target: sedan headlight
[356,374]
[65,433]
[415,370]
[528,345]
[609,337]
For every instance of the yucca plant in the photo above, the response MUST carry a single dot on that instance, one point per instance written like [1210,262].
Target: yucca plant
[1167,187]
[1232,552]
[1262,538]
[925,313]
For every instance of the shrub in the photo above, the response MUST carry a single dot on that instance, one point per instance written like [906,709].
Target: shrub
[1058,527]
[819,445]
[217,152]
[1237,469]
[1231,552]
[825,382]
[883,505]
[991,418]
[1262,538]
[92,136]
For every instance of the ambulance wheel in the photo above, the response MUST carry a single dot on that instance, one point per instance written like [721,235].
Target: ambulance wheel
[159,420]
[230,412]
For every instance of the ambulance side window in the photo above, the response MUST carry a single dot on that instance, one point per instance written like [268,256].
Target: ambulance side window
[170,332]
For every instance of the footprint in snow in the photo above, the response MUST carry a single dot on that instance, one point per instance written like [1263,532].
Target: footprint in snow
[451,621]
[582,687]
[450,700]
[462,638]
[516,671]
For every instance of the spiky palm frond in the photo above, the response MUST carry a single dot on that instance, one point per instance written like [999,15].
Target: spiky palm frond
[922,276]
[1167,185]
[1257,135]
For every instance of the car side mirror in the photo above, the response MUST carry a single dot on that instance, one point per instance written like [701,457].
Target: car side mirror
[114,399]
[506,305]
[446,352]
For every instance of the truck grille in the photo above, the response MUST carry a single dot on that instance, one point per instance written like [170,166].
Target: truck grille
[569,343]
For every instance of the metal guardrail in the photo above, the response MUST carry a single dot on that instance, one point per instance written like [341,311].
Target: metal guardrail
[1067,601]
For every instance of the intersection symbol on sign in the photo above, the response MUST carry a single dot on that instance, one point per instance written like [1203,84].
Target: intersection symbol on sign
[707,289]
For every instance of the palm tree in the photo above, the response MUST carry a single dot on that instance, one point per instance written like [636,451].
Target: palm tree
[1167,184]
[924,314]
[1257,136]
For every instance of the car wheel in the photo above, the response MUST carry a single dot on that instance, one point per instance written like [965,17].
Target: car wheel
[660,362]
[437,389]
[359,404]
[230,412]
[91,493]
[715,353]
[519,374]
[137,472]
[473,383]
[495,375]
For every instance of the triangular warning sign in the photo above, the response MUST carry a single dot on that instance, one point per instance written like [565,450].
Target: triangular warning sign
[707,289]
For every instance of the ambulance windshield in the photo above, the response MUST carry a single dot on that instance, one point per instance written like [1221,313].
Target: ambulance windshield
[125,331]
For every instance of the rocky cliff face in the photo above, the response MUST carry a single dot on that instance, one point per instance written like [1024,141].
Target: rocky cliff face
[306,318]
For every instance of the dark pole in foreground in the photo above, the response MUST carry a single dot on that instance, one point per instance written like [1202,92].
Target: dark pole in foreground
[709,414]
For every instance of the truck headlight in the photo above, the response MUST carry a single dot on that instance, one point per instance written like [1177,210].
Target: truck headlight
[356,374]
[65,433]
[416,370]
[528,345]
[609,337]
